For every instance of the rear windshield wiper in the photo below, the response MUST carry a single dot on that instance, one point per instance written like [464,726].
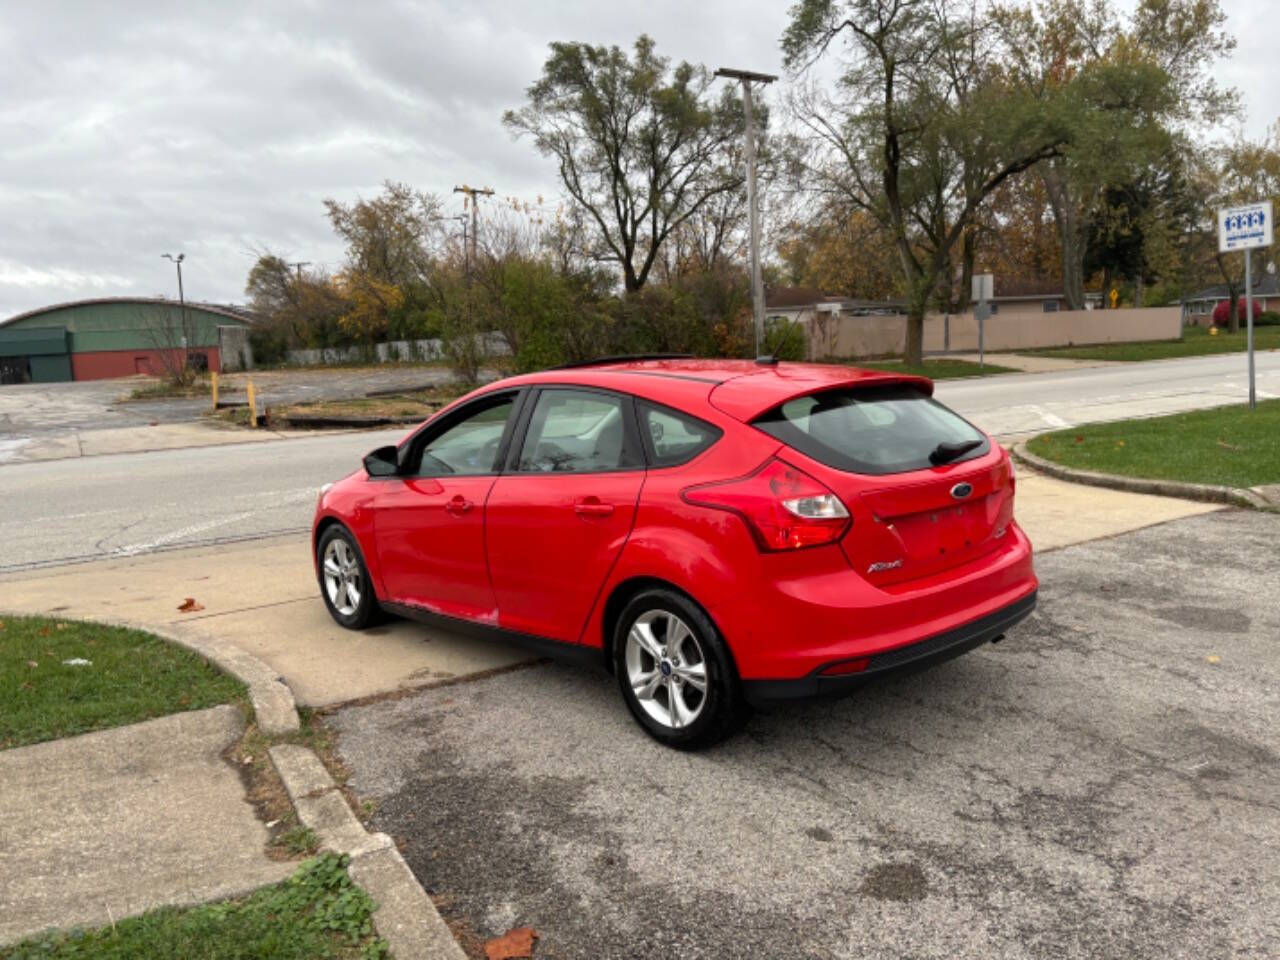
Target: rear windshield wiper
[946,452]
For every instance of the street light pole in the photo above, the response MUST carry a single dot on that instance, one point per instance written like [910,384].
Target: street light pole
[182,301]
[753,213]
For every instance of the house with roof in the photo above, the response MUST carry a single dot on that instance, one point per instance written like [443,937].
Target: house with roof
[1198,308]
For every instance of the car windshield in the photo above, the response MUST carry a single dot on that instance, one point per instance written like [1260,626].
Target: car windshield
[874,430]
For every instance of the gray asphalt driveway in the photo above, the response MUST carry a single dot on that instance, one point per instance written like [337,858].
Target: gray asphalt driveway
[1102,784]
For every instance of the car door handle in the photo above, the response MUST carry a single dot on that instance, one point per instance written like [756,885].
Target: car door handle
[592,507]
[458,505]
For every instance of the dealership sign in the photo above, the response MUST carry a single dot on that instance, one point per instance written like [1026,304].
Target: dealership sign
[1244,228]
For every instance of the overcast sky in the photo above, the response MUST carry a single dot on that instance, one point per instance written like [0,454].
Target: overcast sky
[131,129]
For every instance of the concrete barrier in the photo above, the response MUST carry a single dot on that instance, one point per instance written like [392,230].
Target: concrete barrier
[839,335]
[393,351]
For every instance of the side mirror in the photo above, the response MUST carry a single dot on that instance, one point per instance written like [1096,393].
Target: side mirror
[382,462]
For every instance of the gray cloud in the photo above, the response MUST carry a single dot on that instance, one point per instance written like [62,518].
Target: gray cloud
[130,129]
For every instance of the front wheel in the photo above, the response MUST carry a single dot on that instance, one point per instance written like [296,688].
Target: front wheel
[344,580]
[675,671]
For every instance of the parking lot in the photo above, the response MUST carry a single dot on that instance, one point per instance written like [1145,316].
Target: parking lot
[1101,784]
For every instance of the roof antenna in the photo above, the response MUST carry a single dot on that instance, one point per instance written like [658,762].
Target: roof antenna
[768,360]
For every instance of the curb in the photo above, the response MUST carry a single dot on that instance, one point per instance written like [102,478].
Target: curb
[305,422]
[1204,492]
[406,917]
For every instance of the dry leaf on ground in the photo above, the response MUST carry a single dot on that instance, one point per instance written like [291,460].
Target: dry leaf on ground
[515,944]
[189,605]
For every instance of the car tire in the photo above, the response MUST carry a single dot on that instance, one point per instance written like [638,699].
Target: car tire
[344,580]
[675,671]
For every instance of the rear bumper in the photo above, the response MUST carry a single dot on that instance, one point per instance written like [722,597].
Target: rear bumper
[904,659]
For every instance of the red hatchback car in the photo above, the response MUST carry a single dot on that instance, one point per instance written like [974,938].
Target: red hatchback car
[719,533]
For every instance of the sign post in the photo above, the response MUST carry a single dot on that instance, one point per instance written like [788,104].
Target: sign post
[983,290]
[1246,228]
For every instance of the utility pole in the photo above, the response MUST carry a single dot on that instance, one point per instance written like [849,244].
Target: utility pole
[182,301]
[472,193]
[298,267]
[757,278]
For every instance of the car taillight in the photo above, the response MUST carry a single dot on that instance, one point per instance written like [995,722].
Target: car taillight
[785,508]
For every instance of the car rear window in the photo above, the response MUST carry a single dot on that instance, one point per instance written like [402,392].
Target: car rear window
[874,430]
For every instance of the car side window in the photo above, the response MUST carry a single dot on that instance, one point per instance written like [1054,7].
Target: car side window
[577,431]
[675,438]
[468,447]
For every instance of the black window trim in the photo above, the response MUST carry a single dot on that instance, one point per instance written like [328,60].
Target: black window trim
[651,453]
[632,441]
[411,449]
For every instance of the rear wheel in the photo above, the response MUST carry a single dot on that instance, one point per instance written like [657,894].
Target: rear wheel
[344,580]
[675,671]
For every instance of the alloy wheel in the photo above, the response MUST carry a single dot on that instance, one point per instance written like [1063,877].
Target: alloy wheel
[666,668]
[342,579]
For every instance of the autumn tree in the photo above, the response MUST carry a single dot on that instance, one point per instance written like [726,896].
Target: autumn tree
[841,251]
[641,147]
[389,240]
[922,127]
[1151,86]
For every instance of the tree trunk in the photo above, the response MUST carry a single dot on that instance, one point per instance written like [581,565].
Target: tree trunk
[914,354]
[1066,214]
[969,256]
[1106,288]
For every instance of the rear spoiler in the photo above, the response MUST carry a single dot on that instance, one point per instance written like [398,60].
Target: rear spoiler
[745,398]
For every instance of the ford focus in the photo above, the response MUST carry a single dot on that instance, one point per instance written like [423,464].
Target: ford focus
[720,534]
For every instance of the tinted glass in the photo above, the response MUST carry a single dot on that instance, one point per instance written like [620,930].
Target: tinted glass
[885,430]
[576,432]
[675,437]
[468,447]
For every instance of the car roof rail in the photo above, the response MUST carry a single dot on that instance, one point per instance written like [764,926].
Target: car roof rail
[622,358]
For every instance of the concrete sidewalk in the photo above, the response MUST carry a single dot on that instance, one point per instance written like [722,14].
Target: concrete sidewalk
[1031,364]
[109,824]
[262,596]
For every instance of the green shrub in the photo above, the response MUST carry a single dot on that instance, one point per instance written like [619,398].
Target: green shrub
[1267,318]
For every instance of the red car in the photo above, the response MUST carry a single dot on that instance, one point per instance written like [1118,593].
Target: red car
[718,533]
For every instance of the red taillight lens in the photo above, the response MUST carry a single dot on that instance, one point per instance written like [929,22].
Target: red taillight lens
[785,508]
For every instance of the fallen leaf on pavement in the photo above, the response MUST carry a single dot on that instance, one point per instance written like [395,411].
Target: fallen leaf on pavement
[189,605]
[1213,658]
[513,945]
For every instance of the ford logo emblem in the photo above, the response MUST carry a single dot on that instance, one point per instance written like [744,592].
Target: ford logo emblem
[961,490]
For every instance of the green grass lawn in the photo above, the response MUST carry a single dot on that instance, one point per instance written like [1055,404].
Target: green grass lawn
[1195,342]
[130,676]
[1227,445]
[940,368]
[317,912]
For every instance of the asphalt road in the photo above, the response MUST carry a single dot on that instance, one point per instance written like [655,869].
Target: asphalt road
[1101,784]
[79,509]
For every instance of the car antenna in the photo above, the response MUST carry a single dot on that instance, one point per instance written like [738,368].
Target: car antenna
[768,360]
